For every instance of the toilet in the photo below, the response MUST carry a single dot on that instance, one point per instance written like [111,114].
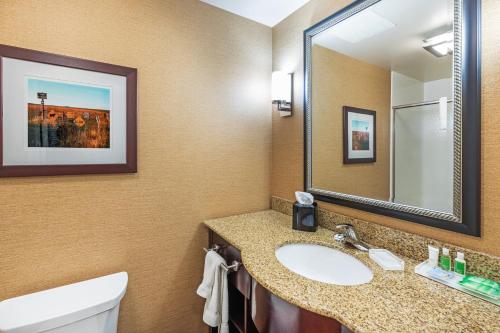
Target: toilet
[83,307]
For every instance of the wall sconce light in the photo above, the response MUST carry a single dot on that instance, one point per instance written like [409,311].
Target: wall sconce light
[282,92]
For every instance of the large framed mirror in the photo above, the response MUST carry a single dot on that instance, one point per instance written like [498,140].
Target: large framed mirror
[393,110]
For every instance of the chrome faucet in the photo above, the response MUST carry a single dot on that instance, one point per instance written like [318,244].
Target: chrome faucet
[348,235]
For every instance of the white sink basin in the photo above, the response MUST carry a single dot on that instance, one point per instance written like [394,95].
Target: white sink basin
[324,264]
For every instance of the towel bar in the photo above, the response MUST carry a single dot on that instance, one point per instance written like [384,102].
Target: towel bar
[215,248]
[235,265]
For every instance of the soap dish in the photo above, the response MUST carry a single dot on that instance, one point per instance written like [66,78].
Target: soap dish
[387,260]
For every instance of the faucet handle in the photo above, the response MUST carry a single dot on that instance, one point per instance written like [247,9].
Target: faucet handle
[347,230]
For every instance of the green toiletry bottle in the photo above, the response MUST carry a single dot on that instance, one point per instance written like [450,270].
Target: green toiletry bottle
[445,260]
[460,265]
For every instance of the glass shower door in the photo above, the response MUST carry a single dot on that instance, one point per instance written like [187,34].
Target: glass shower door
[423,156]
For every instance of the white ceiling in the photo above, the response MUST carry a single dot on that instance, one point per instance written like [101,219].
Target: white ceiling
[268,12]
[399,47]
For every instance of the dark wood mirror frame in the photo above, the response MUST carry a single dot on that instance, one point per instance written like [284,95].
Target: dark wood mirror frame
[469,220]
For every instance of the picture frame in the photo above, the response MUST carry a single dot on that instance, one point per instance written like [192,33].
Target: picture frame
[62,115]
[359,135]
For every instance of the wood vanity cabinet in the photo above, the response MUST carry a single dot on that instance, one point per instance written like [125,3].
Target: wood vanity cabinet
[271,314]
[253,309]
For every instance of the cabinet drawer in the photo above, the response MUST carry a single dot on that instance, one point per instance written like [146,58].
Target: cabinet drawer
[241,280]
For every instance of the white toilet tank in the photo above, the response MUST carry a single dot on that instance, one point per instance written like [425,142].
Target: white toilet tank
[85,307]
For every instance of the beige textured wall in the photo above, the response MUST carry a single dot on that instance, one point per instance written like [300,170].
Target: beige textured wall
[287,162]
[344,81]
[204,151]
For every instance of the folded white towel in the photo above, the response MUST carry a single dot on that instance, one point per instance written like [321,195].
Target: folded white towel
[216,311]
[212,261]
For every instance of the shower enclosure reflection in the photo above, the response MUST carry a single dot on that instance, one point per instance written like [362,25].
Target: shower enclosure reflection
[422,142]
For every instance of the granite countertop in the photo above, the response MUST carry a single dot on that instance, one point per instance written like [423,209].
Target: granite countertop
[392,302]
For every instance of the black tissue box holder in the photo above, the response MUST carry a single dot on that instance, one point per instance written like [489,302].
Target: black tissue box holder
[305,217]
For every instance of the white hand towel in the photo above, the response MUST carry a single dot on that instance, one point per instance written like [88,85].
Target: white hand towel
[224,326]
[216,311]
[212,261]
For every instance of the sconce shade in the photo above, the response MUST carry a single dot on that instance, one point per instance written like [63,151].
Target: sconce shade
[281,86]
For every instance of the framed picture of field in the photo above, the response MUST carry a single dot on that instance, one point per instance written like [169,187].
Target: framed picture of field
[359,135]
[63,115]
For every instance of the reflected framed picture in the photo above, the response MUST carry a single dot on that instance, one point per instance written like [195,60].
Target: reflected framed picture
[65,116]
[359,135]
